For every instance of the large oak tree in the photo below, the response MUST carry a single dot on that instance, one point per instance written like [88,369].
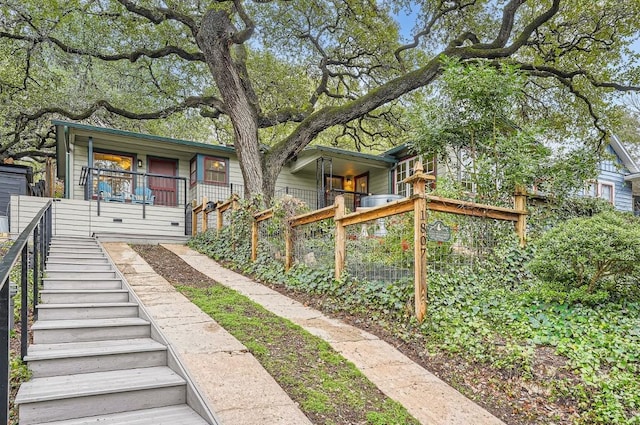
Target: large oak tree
[279,73]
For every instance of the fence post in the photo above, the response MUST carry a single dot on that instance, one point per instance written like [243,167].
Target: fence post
[418,180]
[204,214]
[520,205]
[194,218]
[254,240]
[288,246]
[341,236]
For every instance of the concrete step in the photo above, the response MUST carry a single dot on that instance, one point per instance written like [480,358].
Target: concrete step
[72,296]
[77,253]
[65,249]
[75,311]
[94,356]
[72,238]
[83,260]
[171,415]
[75,396]
[89,274]
[73,266]
[81,283]
[74,245]
[71,243]
[60,331]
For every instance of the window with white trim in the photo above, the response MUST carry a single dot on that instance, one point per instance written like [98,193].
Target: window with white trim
[215,170]
[601,189]
[405,169]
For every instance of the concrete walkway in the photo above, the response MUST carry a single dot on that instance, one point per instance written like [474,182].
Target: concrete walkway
[426,397]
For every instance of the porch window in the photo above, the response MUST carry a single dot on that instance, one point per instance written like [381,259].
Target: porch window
[114,162]
[405,168]
[215,170]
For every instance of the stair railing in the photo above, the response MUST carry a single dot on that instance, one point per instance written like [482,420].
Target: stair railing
[40,229]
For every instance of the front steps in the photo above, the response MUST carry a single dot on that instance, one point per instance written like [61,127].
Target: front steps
[93,359]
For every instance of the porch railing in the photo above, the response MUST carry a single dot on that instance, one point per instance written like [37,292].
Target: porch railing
[107,185]
[40,230]
[352,200]
[314,199]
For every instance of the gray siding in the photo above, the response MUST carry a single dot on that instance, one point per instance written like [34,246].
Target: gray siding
[613,171]
[622,191]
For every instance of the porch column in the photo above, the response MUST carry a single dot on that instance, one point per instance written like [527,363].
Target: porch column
[89,188]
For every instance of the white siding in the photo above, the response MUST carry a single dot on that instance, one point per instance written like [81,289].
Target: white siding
[305,181]
[379,182]
[80,159]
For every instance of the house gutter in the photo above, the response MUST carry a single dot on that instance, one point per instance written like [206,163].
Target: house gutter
[632,177]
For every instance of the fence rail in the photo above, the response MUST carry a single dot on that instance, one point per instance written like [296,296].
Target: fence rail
[40,229]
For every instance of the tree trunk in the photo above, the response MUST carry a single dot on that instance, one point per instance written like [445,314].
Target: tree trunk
[230,74]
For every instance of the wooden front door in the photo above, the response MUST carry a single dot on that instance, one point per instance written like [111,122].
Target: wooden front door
[164,189]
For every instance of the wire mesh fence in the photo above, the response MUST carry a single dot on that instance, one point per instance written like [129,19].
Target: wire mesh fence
[381,249]
[471,240]
[271,239]
[314,244]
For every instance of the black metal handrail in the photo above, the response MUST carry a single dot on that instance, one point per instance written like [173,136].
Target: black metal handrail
[40,227]
[89,174]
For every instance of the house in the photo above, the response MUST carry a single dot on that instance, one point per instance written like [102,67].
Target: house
[138,185]
[618,180]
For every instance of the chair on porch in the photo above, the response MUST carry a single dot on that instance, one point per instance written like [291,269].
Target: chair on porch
[143,195]
[106,193]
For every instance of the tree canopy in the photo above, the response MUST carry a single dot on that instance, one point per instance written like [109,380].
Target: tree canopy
[271,76]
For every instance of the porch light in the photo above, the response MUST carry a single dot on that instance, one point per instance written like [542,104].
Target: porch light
[139,163]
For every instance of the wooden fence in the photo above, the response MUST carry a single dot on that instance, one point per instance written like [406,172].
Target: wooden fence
[419,203]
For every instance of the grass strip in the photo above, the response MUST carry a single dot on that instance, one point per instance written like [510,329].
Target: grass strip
[328,388]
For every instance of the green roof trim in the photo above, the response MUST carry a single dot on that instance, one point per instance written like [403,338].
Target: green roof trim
[351,153]
[384,157]
[397,149]
[143,136]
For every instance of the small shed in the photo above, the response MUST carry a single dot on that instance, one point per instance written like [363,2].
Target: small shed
[14,180]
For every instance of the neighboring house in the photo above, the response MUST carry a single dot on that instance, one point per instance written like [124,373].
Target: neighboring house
[618,180]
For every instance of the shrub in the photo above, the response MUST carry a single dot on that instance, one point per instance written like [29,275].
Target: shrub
[590,254]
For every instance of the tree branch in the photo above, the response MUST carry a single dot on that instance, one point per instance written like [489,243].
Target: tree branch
[131,56]
[498,48]
[429,27]
[161,14]
[190,102]
[244,35]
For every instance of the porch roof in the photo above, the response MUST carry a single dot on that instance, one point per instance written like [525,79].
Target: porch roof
[343,162]
[635,177]
[142,136]
[62,140]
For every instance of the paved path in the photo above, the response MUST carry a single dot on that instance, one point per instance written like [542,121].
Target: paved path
[238,389]
[426,397]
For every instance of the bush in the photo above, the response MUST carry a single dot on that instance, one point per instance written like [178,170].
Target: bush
[590,254]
